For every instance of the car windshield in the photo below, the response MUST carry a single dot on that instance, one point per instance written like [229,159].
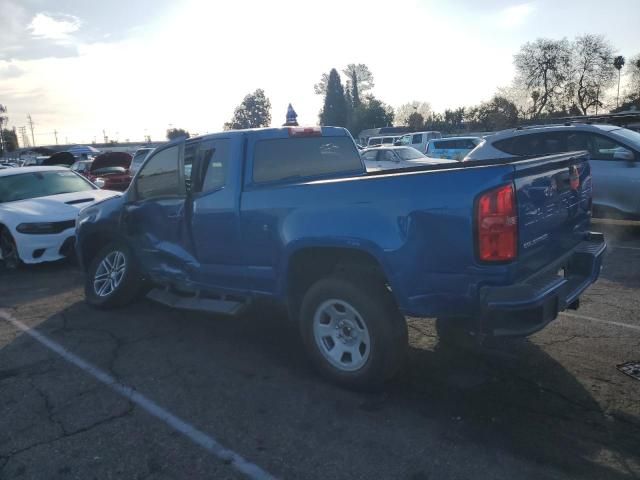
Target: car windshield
[409,154]
[628,135]
[41,184]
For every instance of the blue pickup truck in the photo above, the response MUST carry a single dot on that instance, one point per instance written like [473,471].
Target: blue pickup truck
[217,222]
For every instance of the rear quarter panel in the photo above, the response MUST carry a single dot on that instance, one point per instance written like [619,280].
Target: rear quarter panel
[418,225]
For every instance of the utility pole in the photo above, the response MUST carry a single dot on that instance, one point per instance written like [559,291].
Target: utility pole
[55,132]
[104,136]
[33,138]
[24,136]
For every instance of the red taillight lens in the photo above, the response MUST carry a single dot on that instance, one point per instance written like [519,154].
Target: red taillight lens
[305,132]
[497,225]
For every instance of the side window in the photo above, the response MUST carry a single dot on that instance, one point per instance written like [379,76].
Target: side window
[370,156]
[160,176]
[215,158]
[468,144]
[189,157]
[533,144]
[386,140]
[417,138]
[579,141]
[606,149]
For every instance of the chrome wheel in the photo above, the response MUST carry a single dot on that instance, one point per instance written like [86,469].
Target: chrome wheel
[341,335]
[109,273]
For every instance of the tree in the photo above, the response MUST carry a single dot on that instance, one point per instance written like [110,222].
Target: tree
[320,88]
[404,111]
[415,122]
[618,63]
[334,111]
[361,80]
[543,67]
[634,78]
[3,121]
[371,113]
[175,133]
[496,114]
[10,140]
[253,112]
[593,70]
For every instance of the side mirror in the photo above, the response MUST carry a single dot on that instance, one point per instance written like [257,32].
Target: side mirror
[624,155]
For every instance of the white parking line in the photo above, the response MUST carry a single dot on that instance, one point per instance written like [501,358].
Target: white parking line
[198,437]
[597,320]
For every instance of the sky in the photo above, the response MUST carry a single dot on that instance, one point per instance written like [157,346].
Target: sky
[133,68]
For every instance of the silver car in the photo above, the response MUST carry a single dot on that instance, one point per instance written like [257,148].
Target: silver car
[391,158]
[615,158]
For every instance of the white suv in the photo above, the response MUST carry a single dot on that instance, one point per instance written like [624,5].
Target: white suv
[615,158]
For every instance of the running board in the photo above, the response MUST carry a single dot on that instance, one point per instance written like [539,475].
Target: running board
[195,302]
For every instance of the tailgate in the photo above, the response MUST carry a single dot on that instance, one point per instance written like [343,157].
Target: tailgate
[554,208]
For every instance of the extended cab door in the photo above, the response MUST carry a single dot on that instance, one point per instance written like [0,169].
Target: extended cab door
[215,203]
[154,216]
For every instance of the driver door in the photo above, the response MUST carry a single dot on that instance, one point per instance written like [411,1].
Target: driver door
[154,218]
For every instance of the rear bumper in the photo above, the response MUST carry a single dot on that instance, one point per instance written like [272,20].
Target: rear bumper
[525,308]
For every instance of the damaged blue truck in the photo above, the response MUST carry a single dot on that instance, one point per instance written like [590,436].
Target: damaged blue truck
[218,222]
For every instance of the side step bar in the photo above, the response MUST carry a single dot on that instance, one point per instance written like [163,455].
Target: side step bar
[195,302]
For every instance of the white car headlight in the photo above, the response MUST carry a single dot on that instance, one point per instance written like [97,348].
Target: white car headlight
[99,182]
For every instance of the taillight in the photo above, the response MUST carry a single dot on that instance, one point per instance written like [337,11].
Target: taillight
[305,132]
[497,225]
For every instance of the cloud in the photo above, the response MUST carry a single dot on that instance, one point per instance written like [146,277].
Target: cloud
[53,27]
[515,16]
[10,71]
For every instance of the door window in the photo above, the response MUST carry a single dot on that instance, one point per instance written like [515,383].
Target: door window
[388,156]
[417,138]
[215,157]
[160,176]
[606,149]
[370,156]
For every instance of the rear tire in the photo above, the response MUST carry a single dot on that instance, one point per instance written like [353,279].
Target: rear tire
[354,333]
[9,250]
[113,278]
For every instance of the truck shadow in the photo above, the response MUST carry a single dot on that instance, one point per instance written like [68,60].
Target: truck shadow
[525,404]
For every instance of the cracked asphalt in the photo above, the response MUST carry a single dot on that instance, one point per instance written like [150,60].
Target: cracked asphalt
[550,407]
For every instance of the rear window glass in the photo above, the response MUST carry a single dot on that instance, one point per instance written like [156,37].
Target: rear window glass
[409,154]
[289,158]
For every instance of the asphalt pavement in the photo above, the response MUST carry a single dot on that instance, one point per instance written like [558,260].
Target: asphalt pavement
[146,392]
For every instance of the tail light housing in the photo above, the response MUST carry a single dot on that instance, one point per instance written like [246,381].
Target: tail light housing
[497,225]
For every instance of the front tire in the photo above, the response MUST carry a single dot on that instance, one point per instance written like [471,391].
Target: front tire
[9,250]
[353,331]
[113,279]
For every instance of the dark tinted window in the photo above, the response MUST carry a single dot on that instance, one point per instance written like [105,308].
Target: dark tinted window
[283,158]
[388,156]
[387,140]
[190,151]
[216,157]
[417,138]
[533,144]
[159,176]
[606,149]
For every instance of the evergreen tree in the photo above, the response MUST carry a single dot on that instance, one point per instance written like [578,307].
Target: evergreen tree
[175,133]
[334,111]
[253,112]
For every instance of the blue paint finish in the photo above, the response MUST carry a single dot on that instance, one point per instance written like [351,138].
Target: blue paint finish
[418,225]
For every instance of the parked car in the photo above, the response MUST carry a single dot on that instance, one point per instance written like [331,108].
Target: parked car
[614,158]
[111,171]
[139,158]
[292,216]
[455,148]
[417,140]
[381,140]
[38,207]
[385,158]
[59,159]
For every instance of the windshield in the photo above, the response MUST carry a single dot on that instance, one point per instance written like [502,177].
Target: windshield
[629,135]
[41,184]
[409,154]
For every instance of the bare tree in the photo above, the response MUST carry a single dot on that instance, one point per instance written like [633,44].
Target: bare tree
[404,111]
[361,80]
[634,78]
[543,68]
[320,88]
[592,70]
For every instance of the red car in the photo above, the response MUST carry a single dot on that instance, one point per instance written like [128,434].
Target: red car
[109,171]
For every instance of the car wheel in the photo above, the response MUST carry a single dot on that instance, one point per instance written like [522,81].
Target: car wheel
[9,250]
[113,278]
[353,331]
